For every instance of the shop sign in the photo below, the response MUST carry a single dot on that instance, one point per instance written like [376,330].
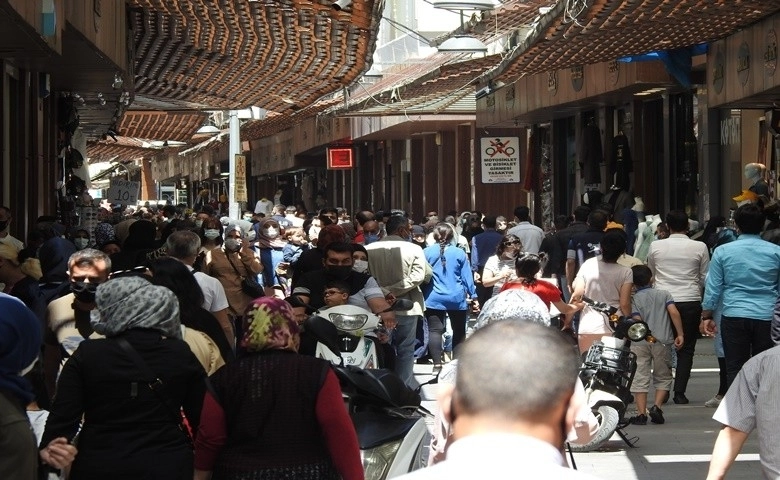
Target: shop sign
[577,78]
[552,82]
[340,158]
[500,160]
[770,53]
[718,72]
[743,63]
[124,192]
[240,179]
[613,72]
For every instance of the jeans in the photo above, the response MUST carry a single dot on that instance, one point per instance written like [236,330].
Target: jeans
[436,323]
[743,338]
[404,338]
[690,313]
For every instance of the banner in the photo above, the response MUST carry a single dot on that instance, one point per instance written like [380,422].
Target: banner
[240,191]
[500,160]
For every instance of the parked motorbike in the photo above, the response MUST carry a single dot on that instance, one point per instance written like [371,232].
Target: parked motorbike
[386,413]
[607,373]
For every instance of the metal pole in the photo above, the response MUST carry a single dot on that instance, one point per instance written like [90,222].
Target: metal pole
[235,149]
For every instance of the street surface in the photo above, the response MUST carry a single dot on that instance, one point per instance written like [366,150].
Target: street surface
[678,449]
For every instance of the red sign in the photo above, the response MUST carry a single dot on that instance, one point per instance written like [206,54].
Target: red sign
[340,159]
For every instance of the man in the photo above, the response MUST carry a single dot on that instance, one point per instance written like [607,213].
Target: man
[278,214]
[528,233]
[364,290]
[184,246]
[579,225]
[511,407]
[679,266]
[5,223]
[370,233]
[328,216]
[750,404]
[68,317]
[585,245]
[361,218]
[483,246]
[743,276]
[290,213]
[399,267]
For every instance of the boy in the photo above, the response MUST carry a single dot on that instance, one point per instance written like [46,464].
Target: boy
[656,307]
[336,293]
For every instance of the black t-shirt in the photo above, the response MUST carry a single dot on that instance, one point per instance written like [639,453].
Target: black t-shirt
[313,284]
[586,245]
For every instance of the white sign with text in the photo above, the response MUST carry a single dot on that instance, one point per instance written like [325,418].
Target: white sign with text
[124,192]
[500,160]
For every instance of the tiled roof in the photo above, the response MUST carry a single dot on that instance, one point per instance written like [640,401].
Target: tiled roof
[152,125]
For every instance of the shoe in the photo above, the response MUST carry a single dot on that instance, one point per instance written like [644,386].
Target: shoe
[436,369]
[656,415]
[640,419]
[666,397]
[714,401]
[680,398]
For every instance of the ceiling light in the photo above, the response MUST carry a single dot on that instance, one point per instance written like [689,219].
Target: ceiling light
[341,4]
[462,44]
[464,4]
[208,129]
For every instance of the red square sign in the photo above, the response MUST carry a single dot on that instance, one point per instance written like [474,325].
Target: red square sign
[340,159]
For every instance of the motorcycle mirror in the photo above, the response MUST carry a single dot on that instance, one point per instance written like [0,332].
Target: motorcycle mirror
[324,332]
[638,331]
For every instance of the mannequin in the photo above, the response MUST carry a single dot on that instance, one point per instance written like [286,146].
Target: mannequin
[639,208]
[754,173]
[645,236]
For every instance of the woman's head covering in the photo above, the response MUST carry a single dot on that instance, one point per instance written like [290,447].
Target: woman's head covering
[142,236]
[20,343]
[263,241]
[269,324]
[330,234]
[54,255]
[514,304]
[132,302]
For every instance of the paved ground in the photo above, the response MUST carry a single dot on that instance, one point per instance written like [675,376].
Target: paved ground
[678,449]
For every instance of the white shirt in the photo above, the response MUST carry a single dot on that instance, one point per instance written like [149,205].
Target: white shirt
[214,298]
[10,240]
[679,266]
[498,456]
[529,234]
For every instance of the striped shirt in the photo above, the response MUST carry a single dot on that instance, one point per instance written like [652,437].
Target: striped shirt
[751,404]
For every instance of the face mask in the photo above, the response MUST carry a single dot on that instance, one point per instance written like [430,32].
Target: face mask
[198,223]
[248,218]
[3,225]
[271,233]
[81,243]
[342,272]
[83,291]
[233,244]
[360,266]
[211,234]
[314,232]
[371,238]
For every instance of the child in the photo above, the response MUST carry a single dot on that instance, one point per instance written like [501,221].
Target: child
[336,293]
[296,244]
[656,308]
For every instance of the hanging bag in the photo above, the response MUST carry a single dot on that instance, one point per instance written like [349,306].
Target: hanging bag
[248,284]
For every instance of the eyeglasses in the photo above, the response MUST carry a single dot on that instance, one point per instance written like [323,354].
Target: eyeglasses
[513,242]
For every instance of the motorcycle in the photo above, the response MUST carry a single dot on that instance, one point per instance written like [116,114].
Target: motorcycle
[387,415]
[607,373]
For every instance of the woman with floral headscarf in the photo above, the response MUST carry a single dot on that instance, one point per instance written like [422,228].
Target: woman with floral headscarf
[130,431]
[289,421]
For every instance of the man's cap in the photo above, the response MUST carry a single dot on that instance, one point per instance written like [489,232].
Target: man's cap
[418,230]
[746,195]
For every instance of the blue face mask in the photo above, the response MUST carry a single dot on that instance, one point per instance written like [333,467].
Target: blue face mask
[371,238]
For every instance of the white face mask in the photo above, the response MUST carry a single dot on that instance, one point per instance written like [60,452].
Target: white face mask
[271,232]
[198,223]
[81,243]
[211,234]
[360,266]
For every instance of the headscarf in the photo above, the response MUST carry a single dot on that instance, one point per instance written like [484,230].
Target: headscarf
[330,234]
[269,324]
[514,304]
[263,241]
[20,343]
[132,302]
[54,255]
[122,229]
[142,236]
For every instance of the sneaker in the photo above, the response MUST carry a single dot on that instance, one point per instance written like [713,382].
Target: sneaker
[680,398]
[714,401]
[656,415]
[640,419]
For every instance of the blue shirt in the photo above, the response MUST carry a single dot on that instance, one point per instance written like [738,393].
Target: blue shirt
[483,246]
[451,282]
[745,275]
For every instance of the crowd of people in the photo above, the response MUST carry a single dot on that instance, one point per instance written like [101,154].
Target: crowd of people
[140,337]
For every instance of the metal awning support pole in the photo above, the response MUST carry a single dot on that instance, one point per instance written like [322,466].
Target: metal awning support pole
[235,149]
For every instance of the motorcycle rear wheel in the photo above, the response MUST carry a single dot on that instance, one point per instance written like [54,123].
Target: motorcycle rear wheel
[608,419]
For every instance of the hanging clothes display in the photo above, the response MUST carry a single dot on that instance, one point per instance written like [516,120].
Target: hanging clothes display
[591,154]
[621,164]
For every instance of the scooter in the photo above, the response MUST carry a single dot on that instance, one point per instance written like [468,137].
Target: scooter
[387,415]
[357,330]
[607,373]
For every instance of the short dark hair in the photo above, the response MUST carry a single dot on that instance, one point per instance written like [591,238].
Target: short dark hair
[395,223]
[642,275]
[489,221]
[527,265]
[613,245]
[677,220]
[338,247]
[340,285]
[522,213]
[750,219]
[169,210]
[597,219]
[561,222]
[581,213]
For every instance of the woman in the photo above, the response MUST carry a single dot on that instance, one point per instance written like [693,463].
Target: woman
[604,280]
[21,278]
[230,264]
[130,431]
[527,266]
[288,422]
[213,350]
[500,268]
[270,242]
[359,258]
[449,292]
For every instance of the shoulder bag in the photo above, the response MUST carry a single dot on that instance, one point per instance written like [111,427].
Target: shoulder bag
[248,284]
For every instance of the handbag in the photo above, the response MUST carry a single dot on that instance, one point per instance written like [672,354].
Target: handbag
[248,284]
[157,387]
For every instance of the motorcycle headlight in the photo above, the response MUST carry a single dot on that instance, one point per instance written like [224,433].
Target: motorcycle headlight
[637,332]
[348,322]
[377,461]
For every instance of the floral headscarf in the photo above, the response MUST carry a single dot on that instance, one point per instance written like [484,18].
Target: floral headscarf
[269,324]
[132,302]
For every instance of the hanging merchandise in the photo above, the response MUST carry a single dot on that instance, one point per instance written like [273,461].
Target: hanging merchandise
[621,163]
[546,170]
[591,153]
